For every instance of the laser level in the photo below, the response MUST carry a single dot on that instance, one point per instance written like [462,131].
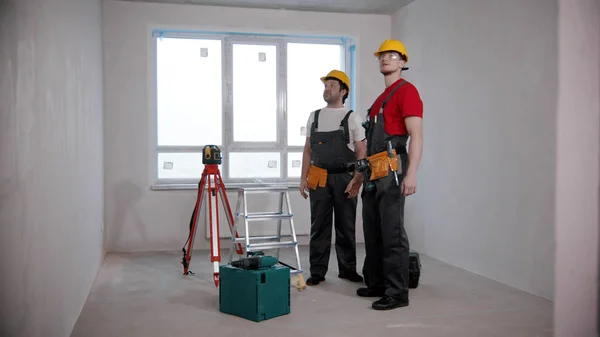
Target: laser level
[212,155]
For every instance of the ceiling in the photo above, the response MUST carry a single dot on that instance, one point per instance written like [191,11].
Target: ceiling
[340,6]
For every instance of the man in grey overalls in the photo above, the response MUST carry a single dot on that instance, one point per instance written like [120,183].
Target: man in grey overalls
[335,142]
[395,116]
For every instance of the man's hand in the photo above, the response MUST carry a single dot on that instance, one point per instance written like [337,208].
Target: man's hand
[354,186]
[304,188]
[409,184]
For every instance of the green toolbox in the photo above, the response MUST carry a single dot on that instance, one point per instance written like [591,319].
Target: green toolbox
[256,294]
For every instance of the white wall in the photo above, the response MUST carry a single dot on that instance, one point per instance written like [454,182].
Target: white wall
[577,182]
[51,180]
[141,219]
[487,75]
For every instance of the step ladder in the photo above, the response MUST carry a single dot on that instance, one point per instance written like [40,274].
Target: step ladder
[254,244]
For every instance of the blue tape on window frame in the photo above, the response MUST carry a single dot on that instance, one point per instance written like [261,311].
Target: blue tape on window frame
[352,50]
[344,42]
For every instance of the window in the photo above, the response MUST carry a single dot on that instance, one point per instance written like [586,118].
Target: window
[254,93]
[249,95]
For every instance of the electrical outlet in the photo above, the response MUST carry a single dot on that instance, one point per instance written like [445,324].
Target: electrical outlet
[272,163]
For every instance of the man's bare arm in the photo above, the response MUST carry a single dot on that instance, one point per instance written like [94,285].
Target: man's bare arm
[353,187]
[360,147]
[306,154]
[414,126]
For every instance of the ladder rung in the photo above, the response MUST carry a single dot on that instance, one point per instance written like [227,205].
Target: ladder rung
[272,237]
[264,189]
[263,213]
[267,216]
[270,245]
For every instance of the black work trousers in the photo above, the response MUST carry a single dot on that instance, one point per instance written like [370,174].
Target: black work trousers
[324,202]
[386,242]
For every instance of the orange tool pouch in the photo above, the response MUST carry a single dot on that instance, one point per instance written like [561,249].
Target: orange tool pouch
[381,163]
[316,177]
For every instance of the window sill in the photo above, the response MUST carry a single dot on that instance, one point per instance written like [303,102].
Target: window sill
[230,186]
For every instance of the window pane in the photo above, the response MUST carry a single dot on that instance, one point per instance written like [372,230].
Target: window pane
[254,93]
[306,64]
[180,165]
[294,164]
[189,92]
[254,165]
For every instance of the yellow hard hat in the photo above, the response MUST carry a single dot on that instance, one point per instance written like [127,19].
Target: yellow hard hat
[392,45]
[340,75]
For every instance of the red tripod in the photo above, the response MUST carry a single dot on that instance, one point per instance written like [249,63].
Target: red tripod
[211,176]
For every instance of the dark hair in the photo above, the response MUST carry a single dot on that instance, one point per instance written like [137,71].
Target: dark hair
[342,87]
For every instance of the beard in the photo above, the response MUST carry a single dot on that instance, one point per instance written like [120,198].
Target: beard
[330,98]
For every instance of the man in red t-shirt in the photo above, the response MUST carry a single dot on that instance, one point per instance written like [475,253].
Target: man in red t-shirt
[395,116]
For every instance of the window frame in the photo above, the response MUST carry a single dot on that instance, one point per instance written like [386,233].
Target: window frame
[228,39]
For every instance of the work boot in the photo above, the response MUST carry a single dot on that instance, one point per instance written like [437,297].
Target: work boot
[351,276]
[313,280]
[388,302]
[370,292]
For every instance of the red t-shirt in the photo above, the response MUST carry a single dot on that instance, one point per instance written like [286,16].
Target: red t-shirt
[405,102]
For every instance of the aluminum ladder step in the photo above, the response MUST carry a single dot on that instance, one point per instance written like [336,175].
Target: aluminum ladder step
[261,216]
[263,189]
[253,247]
[270,237]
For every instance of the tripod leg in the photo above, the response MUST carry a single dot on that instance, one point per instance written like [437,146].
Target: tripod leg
[228,213]
[187,257]
[214,228]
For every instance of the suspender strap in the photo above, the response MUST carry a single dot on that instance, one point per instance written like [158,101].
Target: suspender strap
[344,125]
[401,83]
[391,93]
[315,124]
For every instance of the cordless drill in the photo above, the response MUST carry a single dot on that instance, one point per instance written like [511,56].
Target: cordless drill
[362,166]
[255,262]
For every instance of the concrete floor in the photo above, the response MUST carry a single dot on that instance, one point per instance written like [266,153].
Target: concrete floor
[146,295]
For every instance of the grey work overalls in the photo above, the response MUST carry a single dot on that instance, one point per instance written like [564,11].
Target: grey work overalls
[386,242]
[330,152]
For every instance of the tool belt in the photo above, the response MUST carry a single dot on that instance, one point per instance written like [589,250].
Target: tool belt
[316,177]
[381,163]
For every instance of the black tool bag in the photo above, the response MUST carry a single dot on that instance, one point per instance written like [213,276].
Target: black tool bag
[414,270]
